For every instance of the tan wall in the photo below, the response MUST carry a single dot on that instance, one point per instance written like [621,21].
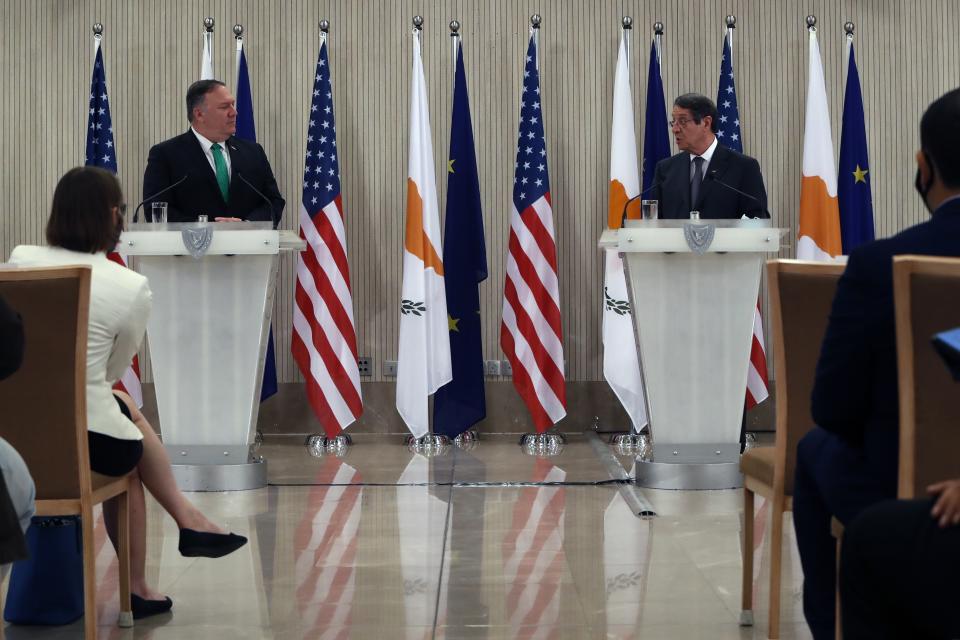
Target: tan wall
[908,53]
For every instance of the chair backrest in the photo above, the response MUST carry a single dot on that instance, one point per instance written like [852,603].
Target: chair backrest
[927,301]
[801,295]
[43,404]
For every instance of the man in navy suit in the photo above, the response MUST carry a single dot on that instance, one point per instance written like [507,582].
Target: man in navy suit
[706,176]
[207,170]
[849,460]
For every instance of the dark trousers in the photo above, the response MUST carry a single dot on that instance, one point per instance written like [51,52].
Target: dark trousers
[900,574]
[833,479]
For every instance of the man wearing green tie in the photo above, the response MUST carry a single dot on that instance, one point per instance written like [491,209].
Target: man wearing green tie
[208,171]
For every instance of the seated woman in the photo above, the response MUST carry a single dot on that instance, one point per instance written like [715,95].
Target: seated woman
[86,220]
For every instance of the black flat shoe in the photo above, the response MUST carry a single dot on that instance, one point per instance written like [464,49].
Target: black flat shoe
[194,544]
[143,608]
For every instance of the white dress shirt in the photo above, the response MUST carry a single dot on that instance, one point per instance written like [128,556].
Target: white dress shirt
[706,155]
[120,301]
[207,146]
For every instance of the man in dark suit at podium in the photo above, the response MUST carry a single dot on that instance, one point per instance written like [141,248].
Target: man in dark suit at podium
[209,171]
[706,176]
[849,460]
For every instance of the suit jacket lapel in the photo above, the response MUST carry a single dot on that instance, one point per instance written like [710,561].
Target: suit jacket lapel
[235,160]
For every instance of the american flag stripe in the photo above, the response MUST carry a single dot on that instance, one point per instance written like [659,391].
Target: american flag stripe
[537,276]
[322,388]
[546,407]
[757,387]
[544,347]
[531,333]
[324,342]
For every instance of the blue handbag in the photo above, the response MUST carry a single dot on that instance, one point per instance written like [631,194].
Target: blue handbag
[47,587]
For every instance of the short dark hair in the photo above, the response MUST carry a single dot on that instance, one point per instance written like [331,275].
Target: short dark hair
[940,137]
[197,91]
[81,217]
[700,106]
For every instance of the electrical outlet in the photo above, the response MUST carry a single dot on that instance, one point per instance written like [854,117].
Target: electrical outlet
[491,367]
[366,366]
[505,368]
[390,368]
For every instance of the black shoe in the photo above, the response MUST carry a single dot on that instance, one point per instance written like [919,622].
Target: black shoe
[143,608]
[201,544]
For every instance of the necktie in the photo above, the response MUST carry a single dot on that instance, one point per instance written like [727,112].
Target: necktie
[696,180]
[223,179]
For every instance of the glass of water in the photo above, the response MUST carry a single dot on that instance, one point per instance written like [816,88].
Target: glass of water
[158,212]
[649,209]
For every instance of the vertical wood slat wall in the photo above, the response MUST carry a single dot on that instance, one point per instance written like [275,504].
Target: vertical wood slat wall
[907,52]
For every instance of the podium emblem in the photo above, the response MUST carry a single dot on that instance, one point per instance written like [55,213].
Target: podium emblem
[197,241]
[699,237]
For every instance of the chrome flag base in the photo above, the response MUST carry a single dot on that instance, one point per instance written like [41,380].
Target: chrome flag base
[543,444]
[467,441]
[320,445]
[429,445]
[633,444]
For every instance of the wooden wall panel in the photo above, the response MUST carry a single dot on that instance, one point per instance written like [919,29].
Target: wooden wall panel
[907,50]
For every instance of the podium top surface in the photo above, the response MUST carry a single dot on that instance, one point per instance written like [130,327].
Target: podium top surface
[655,236]
[237,238]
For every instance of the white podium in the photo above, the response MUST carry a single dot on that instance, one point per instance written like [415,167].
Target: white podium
[213,287]
[693,288]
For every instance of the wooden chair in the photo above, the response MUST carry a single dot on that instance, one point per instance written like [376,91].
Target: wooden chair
[44,414]
[801,295]
[927,301]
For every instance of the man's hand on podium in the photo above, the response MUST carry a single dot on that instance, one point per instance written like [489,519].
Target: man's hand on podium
[226,219]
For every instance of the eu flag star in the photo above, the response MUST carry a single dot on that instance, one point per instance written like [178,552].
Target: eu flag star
[452,323]
[860,175]
[450,165]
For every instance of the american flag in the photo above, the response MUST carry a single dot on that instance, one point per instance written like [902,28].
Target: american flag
[728,133]
[102,153]
[530,335]
[324,341]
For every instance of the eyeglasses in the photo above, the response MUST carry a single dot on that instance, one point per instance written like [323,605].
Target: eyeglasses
[122,207]
[681,121]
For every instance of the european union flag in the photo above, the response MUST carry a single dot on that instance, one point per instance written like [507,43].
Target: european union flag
[247,130]
[853,179]
[460,404]
[656,142]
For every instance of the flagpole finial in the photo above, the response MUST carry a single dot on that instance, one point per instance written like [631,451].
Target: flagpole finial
[848,27]
[658,28]
[238,31]
[627,22]
[418,23]
[731,22]
[454,27]
[535,20]
[208,24]
[325,25]
[97,29]
[811,22]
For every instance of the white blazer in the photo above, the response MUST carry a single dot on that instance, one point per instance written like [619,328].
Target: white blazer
[120,303]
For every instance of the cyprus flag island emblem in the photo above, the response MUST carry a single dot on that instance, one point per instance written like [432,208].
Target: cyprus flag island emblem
[424,363]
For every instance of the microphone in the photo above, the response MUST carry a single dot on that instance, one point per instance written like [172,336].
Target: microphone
[712,174]
[136,211]
[273,213]
[623,216]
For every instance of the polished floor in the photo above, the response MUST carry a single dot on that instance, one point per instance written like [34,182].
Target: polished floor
[387,544]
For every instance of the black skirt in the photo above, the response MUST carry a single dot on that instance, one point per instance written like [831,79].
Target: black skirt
[111,456]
